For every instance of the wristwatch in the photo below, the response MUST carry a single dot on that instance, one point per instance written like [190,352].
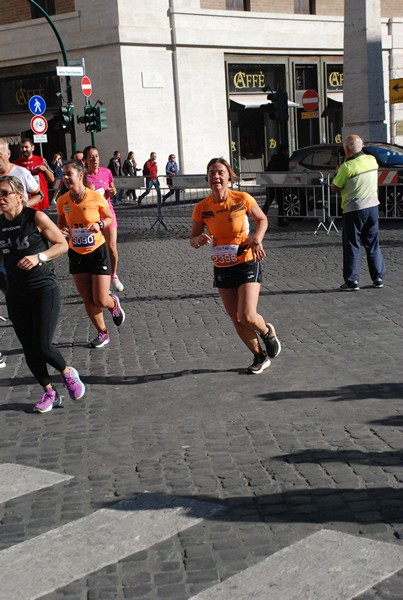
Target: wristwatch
[42,258]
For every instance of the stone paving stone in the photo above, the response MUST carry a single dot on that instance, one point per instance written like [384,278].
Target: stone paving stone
[314,441]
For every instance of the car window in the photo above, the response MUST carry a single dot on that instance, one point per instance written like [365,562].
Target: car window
[321,158]
[386,157]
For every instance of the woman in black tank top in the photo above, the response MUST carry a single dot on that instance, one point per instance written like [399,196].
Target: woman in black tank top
[28,241]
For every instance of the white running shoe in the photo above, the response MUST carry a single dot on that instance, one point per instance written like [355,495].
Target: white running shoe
[116,284]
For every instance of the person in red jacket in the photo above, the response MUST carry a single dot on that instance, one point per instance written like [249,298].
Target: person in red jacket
[150,171]
[39,169]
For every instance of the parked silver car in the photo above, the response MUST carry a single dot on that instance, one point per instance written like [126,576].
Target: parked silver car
[324,158]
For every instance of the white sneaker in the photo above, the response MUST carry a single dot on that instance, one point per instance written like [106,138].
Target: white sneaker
[2,362]
[116,284]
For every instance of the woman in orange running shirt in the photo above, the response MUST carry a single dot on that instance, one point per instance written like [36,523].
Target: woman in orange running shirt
[237,258]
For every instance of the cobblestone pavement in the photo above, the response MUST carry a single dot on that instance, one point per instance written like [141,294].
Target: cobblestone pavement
[314,442]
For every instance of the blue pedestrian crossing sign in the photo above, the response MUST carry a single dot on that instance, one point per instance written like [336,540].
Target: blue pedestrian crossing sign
[37,105]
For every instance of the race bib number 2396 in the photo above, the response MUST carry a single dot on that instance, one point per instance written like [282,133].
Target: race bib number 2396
[224,254]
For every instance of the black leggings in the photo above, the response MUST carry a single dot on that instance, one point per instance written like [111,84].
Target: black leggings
[34,317]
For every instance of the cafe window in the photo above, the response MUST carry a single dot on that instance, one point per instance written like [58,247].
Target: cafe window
[237,4]
[47,5]
[305,7]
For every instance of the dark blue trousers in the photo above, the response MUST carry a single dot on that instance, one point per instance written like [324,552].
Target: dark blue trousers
[362,227]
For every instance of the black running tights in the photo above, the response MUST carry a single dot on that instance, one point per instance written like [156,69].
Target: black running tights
[34,317]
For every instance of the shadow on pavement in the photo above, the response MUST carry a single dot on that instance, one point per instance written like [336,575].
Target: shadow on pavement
[301,505]
[349,457]
[387,391]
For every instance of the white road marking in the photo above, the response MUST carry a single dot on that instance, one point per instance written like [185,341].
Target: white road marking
[328,565]
[17,480]
[56,558]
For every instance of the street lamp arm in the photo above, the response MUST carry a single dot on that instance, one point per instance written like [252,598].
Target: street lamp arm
[53,26]
[66,63]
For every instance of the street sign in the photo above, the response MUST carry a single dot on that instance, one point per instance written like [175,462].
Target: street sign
[70,71]
[310,100]
[37,105]
[40,139]
[86,86]
[395,91]
[310,114]
[39,125]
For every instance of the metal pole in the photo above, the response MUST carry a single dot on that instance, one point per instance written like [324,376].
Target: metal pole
[66,63]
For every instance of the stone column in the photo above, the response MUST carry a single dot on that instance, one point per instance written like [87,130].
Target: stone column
[363,89]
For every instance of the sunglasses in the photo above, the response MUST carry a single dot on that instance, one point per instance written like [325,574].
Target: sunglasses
[5,193]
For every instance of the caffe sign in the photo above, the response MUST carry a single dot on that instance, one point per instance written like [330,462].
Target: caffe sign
[253,77]
[334,78]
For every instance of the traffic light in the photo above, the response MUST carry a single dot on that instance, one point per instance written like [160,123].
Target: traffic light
[88,118]
[65,117]
[93,118]
[278,109]
[100,118]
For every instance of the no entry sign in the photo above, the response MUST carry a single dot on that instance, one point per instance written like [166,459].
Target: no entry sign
[86,86]
[310,100]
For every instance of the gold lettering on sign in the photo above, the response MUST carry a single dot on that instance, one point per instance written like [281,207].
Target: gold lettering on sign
[244,80]
[22,95]
[337,138]
[272,143]
[233,146]
[335,79]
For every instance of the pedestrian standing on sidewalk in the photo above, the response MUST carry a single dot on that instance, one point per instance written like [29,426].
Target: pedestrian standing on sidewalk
[102,180]
[357,180]
[150,172]
[84,213]
[236,256]
[115,168]
[171,170]
[29,240]
[130,170]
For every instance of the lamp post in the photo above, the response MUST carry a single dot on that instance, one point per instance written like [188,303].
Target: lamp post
[66,63]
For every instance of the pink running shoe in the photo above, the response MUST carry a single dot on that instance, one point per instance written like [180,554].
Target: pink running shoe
[100,341]
[117,312]
[74,385]
[50,399]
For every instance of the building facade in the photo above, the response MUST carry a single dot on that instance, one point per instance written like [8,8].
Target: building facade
[186,76]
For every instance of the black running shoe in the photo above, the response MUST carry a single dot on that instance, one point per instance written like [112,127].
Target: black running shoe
[271,341]
[350,287]
[260,363]
[378,283]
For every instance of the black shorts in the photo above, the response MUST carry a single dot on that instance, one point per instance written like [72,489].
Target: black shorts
[232,277]
[96,262]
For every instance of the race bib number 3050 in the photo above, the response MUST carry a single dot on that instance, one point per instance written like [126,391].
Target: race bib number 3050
[224,254]
[82,238]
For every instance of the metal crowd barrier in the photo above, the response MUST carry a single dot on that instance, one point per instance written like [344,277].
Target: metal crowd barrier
[390,194]
[299,195]
[305,195]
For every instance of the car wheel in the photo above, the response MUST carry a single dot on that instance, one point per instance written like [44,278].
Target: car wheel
[394,204]
[295,203]
[292,205]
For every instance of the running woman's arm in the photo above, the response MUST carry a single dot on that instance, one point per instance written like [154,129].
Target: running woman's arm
[62,225]
[54,236]
[197,236]
[107,219]
[256,242]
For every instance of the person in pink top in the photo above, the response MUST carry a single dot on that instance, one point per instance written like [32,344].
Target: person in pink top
[101,179]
